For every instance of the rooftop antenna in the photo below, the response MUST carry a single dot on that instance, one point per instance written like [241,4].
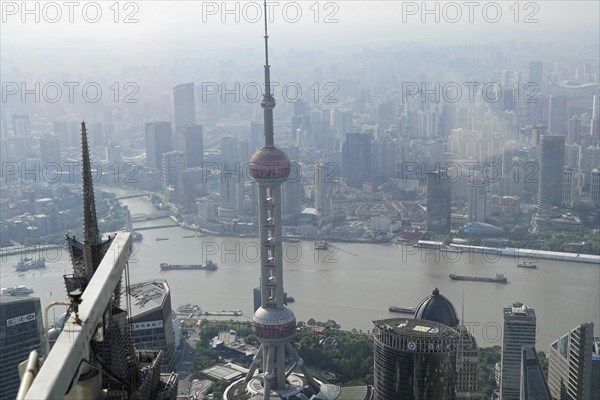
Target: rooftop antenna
[462,333]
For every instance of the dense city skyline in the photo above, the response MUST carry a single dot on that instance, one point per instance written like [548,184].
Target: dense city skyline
[416,147]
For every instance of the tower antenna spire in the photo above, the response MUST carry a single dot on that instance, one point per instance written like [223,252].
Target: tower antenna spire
[91,256]
[267,101]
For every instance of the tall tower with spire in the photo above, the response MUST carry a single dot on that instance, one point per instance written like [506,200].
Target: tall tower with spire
[86,255]
[273,322]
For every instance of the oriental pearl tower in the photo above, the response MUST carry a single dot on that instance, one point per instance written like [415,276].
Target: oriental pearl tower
[273,322]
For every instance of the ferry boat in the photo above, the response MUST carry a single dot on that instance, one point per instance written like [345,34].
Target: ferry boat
[189,309]
[17,291]
[428,244]
[321,245]
[527,264]
[223,313]
[137,237]
[209,266]
[403,310]
[28,263]
[499,278]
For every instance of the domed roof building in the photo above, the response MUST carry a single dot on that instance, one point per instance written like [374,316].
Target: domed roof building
[437,308]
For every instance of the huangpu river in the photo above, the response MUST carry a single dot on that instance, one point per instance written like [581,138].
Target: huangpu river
[351,283]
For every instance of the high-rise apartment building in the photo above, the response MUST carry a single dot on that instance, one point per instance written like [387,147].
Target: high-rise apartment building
[173,163]
[383,158]
[439,192]
[477,199]
[570,364]
[356,159]
[518,331]
[557,114]
[21,331]
[158,142]
[595,121]
[574,129]
[536,69]
[229,177]
[190,140]
[537,132]
[151,318]
[551,166]
[533,379]
[49,150]
[185,104]
[595,186]
[569,186]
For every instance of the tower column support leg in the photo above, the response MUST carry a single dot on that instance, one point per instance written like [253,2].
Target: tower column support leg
[280,366]
[294,354]
[268,372]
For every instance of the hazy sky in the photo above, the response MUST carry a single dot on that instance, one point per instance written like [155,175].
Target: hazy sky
[168,26]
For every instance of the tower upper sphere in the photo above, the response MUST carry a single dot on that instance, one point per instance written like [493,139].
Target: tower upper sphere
[269,163]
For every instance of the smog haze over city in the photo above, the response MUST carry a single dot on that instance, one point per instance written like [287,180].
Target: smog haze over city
[399,184]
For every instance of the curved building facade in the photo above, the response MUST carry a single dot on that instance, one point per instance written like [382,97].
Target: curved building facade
[414,359]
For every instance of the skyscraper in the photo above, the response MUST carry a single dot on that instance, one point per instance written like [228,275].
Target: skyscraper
[551,166]
[569,186]
[383,158]
[518,331]
[150,318]
[49,150]
[322,195]
[356,159]
[438,202]
[533,380]
[536,74]
[595,186]
[185,104]
[190,140]
[557,114]
[21,134]
[292,192]
[414,359]
[574,130]
[595,121]
[537,132]
[477,199]
[21,331]
[229,178]
[173,163]
[273,322]
[438,308]
[570,364]
[158,142]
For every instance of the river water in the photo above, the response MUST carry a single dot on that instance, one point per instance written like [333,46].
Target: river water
[352,284]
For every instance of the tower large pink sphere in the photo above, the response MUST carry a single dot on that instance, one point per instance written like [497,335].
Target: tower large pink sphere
[269,163]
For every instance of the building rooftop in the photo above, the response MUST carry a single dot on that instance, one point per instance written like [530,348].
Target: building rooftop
[147,296]
[228,372]
[417,328]
[518,310]
[437,308]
